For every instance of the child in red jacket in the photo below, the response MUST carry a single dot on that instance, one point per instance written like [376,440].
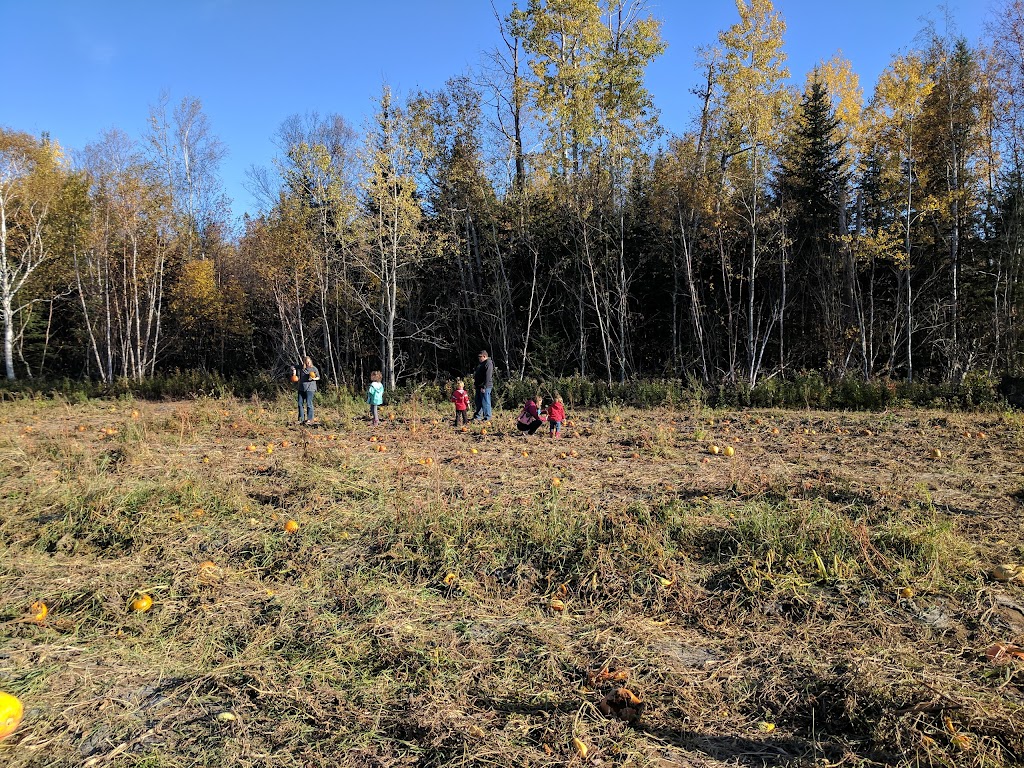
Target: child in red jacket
[461,399]
[556,415]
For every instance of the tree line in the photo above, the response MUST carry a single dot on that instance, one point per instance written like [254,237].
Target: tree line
[538,208]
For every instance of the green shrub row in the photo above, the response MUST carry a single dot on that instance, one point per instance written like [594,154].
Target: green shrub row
[803,390]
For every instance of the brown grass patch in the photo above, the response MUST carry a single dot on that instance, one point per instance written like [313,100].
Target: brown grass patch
[823,596]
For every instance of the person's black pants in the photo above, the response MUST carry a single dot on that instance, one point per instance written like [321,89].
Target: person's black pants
[530,428]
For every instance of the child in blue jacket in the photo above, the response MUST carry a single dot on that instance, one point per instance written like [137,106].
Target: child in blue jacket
[375,395]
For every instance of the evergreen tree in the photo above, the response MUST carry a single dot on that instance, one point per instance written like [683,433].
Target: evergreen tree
[811,187]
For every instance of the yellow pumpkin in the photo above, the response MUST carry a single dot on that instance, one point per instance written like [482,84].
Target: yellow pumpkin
[580,747]
[11,713]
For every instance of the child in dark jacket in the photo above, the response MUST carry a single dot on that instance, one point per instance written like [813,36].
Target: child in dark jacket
[556,415]
[461,399]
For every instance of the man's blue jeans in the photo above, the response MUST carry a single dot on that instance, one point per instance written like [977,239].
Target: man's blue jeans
[306,405]
[483,404]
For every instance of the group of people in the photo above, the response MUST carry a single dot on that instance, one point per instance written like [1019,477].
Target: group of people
[535,411]
[534,414]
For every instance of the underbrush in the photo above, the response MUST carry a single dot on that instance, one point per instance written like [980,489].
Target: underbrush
[805,389]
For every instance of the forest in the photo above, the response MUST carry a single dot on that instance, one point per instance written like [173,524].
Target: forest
[538,208]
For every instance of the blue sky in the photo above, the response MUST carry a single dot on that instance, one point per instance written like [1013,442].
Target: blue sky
[78,68]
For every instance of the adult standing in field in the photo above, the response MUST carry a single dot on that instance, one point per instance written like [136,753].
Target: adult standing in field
[483,383]
[306,377]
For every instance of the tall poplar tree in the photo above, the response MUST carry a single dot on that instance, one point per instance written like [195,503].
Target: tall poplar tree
[753,96]
[951,150]
[896,110]
[588,59]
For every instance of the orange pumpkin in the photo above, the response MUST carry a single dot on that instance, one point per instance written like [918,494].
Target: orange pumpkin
[142,603]
[295,377]
[11,713]
[39,611]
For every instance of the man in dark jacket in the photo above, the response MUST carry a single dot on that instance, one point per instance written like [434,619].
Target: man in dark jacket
[483,382]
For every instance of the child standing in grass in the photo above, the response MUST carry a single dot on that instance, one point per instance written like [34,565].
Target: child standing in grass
[461,399]
[556,415]
[375,396]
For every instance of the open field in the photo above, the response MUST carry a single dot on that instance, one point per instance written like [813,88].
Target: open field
[831,594]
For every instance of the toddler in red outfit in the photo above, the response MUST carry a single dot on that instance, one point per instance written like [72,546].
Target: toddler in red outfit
[556,415]
[461,399]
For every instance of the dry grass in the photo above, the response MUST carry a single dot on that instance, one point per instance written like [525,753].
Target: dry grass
[823,597]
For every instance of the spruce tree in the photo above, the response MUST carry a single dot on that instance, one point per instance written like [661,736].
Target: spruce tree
[811,188]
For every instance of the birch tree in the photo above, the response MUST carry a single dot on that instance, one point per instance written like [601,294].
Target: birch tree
[394,240]
[31,176]
[120,275]
[951,149]
[751,81]
[187,155]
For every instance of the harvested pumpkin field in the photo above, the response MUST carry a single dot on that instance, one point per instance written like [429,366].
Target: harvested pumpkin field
[205,583]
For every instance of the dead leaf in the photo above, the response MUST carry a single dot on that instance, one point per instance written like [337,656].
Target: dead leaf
[1003,653]
[1006,572]
[594,679]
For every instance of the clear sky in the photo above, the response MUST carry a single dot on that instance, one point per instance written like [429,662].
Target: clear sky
[76,68]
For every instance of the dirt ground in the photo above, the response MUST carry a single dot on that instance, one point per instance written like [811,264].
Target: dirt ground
[841,590]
